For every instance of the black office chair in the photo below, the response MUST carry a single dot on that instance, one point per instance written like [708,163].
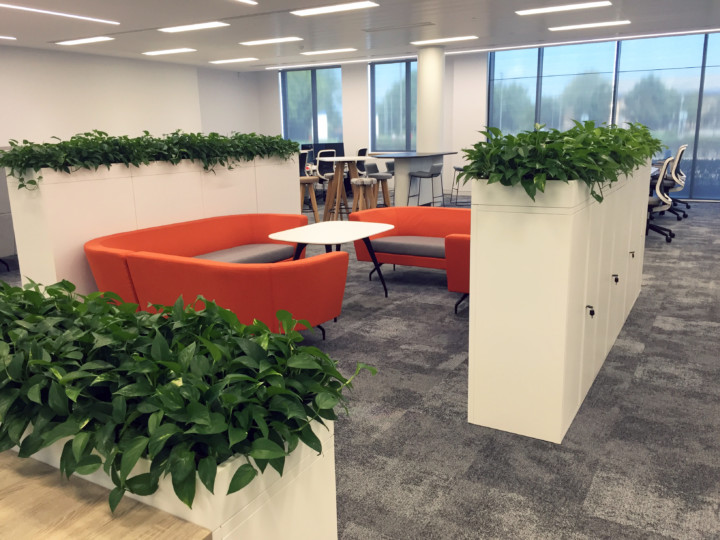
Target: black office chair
[325,169]
[658,202]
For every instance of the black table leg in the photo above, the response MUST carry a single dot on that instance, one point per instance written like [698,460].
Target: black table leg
[298,250]
[328,248]
[371,251]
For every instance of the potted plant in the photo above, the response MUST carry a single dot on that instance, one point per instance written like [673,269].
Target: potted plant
[552,264]
[178,393]
[121,183]
[594,155]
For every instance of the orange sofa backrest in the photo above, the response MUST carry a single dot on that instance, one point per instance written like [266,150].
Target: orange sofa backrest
[107,255]
[419,220]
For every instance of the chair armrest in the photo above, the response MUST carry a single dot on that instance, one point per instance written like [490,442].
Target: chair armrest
[457,257]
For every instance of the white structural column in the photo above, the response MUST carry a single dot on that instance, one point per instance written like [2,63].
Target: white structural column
[430,81]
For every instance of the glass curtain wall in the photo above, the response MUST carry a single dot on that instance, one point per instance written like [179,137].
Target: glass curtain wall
[312,105]
[393,101]
[706,167]
[577,84]
[513,89]
[671,84]
[658,86]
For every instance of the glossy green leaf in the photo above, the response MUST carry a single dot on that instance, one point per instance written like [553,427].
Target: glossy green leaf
[131,454]
[242,477]
[207,470]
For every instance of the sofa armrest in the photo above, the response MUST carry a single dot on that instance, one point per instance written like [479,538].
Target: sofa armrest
[457,258]
[310,288]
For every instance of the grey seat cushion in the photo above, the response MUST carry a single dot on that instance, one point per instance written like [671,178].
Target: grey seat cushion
[251,253]
[420,246]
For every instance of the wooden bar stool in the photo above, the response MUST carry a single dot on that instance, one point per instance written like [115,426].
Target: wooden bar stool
[363,193]
[382,180]
[307,186]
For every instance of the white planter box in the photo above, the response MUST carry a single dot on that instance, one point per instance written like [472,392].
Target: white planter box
[53,222]
[535,267]
[300,504]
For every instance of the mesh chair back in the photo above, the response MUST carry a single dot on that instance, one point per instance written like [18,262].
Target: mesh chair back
[675,172]
[303,161]
[361,164]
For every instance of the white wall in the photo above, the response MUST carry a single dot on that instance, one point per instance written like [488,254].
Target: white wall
[229,101]
[47,93]
[465,106]
[268,84]
[356,108]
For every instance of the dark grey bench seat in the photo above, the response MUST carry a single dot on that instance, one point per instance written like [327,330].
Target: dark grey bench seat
[418,246]
[251,253]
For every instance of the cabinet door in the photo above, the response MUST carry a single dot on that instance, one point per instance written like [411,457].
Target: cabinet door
[593,337]
[636,242]
[620,210]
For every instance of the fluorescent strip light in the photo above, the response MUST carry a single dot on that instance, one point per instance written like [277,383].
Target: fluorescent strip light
[57,13]
[270,41]
[443,40]
[189,27]
[584,41]
[169,51]
[590,25]
[233,60]
[566,7]
[334,9]
[364,60]
[250,2]
[330,51]
[8,37]
[83,41]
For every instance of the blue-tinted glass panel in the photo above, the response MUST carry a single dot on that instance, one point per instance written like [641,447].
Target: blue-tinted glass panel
[299,118]
[706,181]
[658,86]
[577,84]
[329,105]
[391,106]
[513,90]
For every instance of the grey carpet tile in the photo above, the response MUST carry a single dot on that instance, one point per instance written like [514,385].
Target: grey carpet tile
[640,461]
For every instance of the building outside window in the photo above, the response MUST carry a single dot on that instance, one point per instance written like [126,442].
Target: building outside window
[393,106]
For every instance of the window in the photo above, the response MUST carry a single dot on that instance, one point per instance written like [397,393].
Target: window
[513,89]
[706,170]
[577,84]
[393,99]
[312,105]
[670,84]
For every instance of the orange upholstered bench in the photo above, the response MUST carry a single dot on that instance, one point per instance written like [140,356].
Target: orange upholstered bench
[228,259]
[419,236]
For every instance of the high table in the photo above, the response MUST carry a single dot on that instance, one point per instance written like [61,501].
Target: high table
[331,233]
[336,188]
[405,163]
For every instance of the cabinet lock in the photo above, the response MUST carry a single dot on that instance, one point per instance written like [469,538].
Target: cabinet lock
[632,254]
[591,312]
[616,278]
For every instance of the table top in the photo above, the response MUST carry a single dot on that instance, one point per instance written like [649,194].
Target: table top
[342,158]
[395,155]
[331,232]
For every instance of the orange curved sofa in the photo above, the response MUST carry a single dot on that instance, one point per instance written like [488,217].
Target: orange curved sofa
[431,222]
[457,253]
[158,264]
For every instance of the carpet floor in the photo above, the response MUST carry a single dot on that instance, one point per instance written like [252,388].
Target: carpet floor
[641,459]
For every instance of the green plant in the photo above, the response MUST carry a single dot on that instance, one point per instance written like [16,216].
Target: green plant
[596,155]
[185,389]
[96,148]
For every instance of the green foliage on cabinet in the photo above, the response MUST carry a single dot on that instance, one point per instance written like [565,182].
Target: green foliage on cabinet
[186,389]
[94,149]
[595,155]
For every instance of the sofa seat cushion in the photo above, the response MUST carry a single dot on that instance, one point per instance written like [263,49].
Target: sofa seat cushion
[251,253]
[419,246]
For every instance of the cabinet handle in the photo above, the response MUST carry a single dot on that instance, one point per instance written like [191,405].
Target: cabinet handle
[616,278]
[591,312]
